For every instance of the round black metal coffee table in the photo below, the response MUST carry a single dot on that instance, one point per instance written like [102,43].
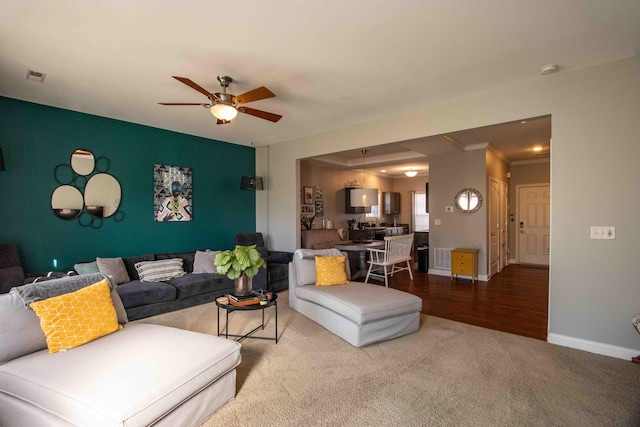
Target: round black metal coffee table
[229,308]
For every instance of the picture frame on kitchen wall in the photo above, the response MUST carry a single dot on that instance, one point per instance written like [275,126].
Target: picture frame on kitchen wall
[307,210]
[319,189]
[319,207]
[307,195]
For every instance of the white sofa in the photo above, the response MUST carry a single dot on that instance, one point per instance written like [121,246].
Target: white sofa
[138,376]
[359,313]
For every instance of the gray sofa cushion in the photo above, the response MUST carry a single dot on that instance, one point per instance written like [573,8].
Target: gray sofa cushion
[11,272]
[9,255]
[361,302]
[10,277]
[196,284]
[277,272]
[136,293]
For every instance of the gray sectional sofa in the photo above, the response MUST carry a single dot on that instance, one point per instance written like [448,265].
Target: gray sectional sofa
[139,375]
[144,299]
[359,313]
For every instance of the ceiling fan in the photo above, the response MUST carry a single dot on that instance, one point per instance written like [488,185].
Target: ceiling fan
[225,106]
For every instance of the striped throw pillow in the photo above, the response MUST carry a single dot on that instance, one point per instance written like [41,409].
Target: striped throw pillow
[158,271]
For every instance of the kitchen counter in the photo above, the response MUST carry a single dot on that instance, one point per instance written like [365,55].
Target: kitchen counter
[376,233]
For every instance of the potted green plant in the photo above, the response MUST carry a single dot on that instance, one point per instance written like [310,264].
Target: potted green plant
[240,265]
[307,222]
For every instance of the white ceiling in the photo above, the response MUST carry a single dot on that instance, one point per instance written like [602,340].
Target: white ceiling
[514,142]
[331,63]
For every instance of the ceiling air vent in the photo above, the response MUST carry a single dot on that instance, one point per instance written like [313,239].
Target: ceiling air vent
[36,76]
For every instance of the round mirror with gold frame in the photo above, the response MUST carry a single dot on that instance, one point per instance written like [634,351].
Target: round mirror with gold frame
[468,200]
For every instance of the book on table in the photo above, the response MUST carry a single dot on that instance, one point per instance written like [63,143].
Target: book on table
[239,301]
[244,297]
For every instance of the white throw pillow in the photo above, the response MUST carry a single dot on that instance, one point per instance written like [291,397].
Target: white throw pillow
[158,271]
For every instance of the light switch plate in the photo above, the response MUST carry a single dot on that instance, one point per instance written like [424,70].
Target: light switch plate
[603,232]
[437,222]
[448,208]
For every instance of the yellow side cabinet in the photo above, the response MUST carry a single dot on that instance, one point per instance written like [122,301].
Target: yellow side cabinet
[465,262]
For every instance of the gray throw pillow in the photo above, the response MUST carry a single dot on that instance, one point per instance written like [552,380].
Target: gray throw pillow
[87,267]
[205,262]
[114,268]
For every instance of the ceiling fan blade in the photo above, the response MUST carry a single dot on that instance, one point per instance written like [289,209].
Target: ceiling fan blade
[182,103]
[259,113]
[254,95]
[223,122]
[195,86]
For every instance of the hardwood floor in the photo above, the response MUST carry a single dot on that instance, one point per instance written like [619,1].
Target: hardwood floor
[516,300]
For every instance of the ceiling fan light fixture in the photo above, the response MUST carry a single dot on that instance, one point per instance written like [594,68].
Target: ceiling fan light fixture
[411,173]
[223,111]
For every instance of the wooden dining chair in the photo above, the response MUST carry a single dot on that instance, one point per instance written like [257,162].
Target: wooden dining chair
[384,262]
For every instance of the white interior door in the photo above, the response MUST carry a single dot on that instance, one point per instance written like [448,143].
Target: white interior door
[494,226]
[504,225]
[534,215]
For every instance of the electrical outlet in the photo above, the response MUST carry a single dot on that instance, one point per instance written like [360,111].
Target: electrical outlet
[607,232]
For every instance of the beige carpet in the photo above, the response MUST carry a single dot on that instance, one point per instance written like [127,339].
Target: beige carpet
[446,374]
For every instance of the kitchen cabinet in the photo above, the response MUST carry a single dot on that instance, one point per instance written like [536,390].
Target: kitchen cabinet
[391,203]
[350,209]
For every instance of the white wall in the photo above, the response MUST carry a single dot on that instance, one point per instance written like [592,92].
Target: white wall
[594,289]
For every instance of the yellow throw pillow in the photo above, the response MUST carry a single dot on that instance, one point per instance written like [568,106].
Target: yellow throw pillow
[330,271]
[78,317]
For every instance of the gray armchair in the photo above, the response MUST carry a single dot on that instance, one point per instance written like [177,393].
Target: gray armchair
[11,271]
[276,275]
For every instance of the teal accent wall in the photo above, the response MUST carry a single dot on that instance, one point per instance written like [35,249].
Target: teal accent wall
[36,138]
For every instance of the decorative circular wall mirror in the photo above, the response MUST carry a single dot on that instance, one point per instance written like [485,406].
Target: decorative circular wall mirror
[102,195]
[468,200]
[82,161]
[66,202]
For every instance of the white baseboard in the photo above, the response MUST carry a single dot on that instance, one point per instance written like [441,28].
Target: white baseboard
[592,346]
